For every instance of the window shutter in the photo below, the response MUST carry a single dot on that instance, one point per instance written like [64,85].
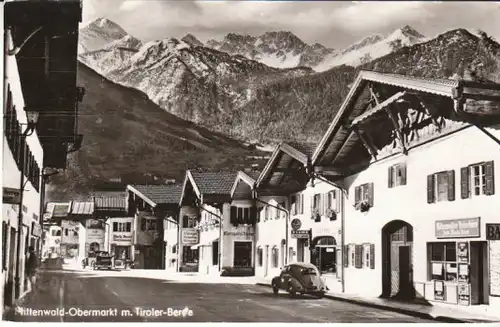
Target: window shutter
[358,256]
[389,173]
[372,256]
[465,182]
[337,194]
[346,256]
[430,188]
[451,185]
[490,178]
[253,215]
[402,168]
[233,218]
[370,194]
[259,213]
[357,194]
[313,215]
[302,204]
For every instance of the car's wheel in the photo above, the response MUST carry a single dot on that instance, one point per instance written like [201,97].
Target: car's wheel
[275,288]
[291,290]
[320,295]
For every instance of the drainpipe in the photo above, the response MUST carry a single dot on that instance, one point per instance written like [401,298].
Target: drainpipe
[287,216]
[342,220]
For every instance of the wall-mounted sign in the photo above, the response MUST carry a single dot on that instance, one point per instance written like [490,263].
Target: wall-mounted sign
[36,230]
[464,294]
[493,231]
[301,233]
[245,234]
[122,237]
[468,227]
[296,224]
[495,268]
[190,236]
[95,224]
[439,290]
[463,252]
[463,273]
[11,195]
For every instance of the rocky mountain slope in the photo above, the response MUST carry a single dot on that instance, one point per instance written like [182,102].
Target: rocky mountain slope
[281,49]
[129,138]
[371,48]
[99,33]
[303,107]
[196,83]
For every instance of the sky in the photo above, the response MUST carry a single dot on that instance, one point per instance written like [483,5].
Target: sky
[333,24]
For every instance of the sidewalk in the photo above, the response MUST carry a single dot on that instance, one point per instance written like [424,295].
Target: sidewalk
[436,311]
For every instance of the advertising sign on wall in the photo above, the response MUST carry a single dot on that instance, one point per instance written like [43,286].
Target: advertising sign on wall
[493,231]
[468,227]
[301,233]
[495,268]
[122,237]
[190,236]
[463,294]
[463,252]
[439,290]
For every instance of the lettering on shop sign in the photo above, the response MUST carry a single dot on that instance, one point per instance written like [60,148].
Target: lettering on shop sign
[190,236]
[493,231]
[245,234]
[122,238]
[11,195]
[468,227]
[302,233]
[495,268]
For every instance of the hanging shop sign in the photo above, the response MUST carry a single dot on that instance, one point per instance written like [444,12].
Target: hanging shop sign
[301,233]
[190,236]
[493,232]
[36,230]
[463,273]
[452,228]
[439,290]
[463,294]
[463,252]
[11,195]
[122,237]
[296,224]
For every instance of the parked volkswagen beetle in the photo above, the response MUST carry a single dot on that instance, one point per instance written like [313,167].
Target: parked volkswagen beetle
[302,278]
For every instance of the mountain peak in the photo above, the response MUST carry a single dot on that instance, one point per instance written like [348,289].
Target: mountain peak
[410,31]
[192,40]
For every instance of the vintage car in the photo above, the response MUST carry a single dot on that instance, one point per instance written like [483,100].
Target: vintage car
[98,260]
[302,278]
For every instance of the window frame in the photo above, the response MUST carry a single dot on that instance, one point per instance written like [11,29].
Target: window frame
[445,262]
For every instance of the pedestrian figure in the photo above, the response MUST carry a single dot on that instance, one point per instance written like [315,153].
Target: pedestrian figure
[31,266]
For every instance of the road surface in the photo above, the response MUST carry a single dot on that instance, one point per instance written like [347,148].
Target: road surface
[78,296]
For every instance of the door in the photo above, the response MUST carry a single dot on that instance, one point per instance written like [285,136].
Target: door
[478,273]
[405,274]
[300,250]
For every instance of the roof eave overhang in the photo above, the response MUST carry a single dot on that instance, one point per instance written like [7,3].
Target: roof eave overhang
[190,179]
[242,177]
[287,149]
[141,195]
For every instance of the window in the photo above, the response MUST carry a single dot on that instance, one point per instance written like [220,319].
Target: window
[215,253]
[300,204]
[151,224]
[189,222]
[397,175]
[363,193]
[123,227]
[243,216]
[266,213]
[441,186]
[352,254]
[274,257]
[189,255]
[65,232]
[443,261]
[293,205]
[53,232]
[174,248]
[260,256]
[243,254]
[316,210]
[477,180]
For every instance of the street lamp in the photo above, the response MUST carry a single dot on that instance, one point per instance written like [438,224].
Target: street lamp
[32,121]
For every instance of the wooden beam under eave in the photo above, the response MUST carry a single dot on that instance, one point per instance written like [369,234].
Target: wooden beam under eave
[329,170]
[365,142]
[374,96]
[344,144]
[397,129]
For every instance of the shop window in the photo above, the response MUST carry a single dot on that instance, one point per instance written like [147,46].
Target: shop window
[363,193]
[274,257]
[443,261]
[397,175]
[477,180]
[215,253]
[189,255]
[260,257]
[242,254]
[441,186]
[324,254]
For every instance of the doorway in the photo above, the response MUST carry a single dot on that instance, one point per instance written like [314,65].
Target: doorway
[324,254]
[397,252]
[479,278]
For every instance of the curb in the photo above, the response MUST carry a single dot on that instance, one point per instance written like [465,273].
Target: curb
[408,312]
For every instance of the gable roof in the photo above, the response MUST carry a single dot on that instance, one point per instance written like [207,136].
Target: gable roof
[449,88]
[209,183]
[244,177]
[282,148]
[158,194]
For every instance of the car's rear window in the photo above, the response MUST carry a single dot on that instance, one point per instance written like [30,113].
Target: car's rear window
[308,271]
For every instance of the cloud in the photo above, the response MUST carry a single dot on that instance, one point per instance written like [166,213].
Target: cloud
[129,5]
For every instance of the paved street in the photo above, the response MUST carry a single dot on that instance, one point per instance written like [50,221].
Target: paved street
[74,291]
